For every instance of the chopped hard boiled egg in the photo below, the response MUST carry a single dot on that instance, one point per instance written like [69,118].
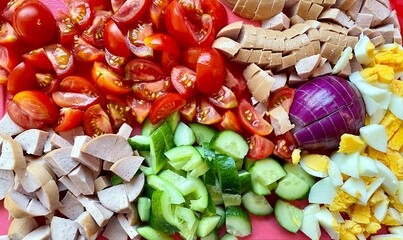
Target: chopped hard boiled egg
[350,143]
[375,136]
[315,164]
[364,50]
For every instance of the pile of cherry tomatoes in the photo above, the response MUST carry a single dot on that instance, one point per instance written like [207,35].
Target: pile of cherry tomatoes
[105,62]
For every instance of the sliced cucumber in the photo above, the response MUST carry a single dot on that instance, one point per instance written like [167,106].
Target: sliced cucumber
[245,179]
[207,225]
[184,135]
[160,184]
[203,133]
[288,216]
[212,236]
[187,158]
[299,172]
[201,193]
[146,170]
[150,233]
[211,208]
[116,180]
[220,212]
[256,204]
[144,208]
[158,147]
[231,199]
[140,142]
[267,171]
[148,127]
[292,187]
[184,185]
[187,216]
[230,143]
[258,188]
[162,218]
[237,222]
[215,193]
[227,174]
[229,236]
[247,163]
[172,120]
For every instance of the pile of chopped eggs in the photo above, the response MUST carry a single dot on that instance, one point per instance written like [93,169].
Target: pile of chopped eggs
[361,186]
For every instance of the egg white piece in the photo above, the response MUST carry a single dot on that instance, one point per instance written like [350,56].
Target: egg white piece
[371,106]
[377,117]
[355,187]
[380,210]
[387,237]
[328,222]
[400,191]
[372,189]
[348,163]
[311,171]
[396,106]
[361,236]
[322,192]
[396,230]
[390,183]
[360,50]
[335,174]
[356,77]
[378,94]
[395,214]
[367,167]
[310,225]
[343,60]
[375,136]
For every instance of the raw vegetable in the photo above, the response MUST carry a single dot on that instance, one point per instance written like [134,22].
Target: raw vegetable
[327,106]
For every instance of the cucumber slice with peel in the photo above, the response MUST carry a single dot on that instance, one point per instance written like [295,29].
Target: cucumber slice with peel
[237,222]
[207,225]
[150,233]
[292,187]
[230,143]
[288,216]
[256,204]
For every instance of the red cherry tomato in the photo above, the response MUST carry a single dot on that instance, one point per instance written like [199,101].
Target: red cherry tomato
[206,113]
[94,34]
[210,71]
[139,108]
[7,34]
[85,52]
[283,97]
[34,23]
[32,109]
[217,11]
[116,63]
[21,78]
[224,98]
[285,145]
[157,12]
[230,121]
[143,70]
[116,4]
[184,79]
[190,56]
[67,28]
[118,111]
[96,122]
[68,119]
[165,105]
[8,58]
[188,112]
[259,147]
[234,79]
[163,42]
[80,12]
[149,91]
[38,59]
[251,119]
[76,92]
[61,59]
[168,62]
[109,81]
[115,41]
[10,8]
[3,77]
[185,21]
[131,11]
[135,37]
[48,83]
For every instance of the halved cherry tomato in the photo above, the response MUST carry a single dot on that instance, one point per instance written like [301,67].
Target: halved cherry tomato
[7,34]
[38,59]
[217,11]
[259,147]
[251,119]
[3,76]
[224,98]
[116,4]
[76,92]
[69,118]
[168,62]
[115,41]
[100,5]
[283,97]
[157,12]
[96,121]
[188,112]
[32,109]
[165,105]
[8,58]
[80,12]
[95,33]
[21,78]
[184,79]
[143,70]
[34,23]
[210,71]
[139,108]
[190,56]
[163,42]
[149,91]
[285,145]
[131,11]
[116,63]
[206,113]
[67,28]
[10,8]
[47,82]
[230,121]
[109,81]
[135,37]
[234,79]
[186,22]
[85,52]
[61,59]
[118,111]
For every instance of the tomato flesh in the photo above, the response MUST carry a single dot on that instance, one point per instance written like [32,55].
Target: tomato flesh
[283,97]
[188,112]
[85,52]
[139,108]
[230,121]
[135,37]
[109,81]
[61,59]
[184,79]
[38,59]
[94,34]
[210,71]
[80,12]
[7,34]
[22,77]
[131,11]
[149,91]
[96,122]
[251,119]
[206,113]
[68,119]
[115,40]
[165,105]
[163,42]
[259,147]
[224,98]
[285,145]
[118,111]
[138,70]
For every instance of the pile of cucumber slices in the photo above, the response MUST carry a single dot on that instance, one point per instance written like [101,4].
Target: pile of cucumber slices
[198,180]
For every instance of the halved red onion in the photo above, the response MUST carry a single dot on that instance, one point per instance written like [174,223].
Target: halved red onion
[324,109]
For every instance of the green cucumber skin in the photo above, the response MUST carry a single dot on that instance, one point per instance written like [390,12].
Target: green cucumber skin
[150,233]
[288,216]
